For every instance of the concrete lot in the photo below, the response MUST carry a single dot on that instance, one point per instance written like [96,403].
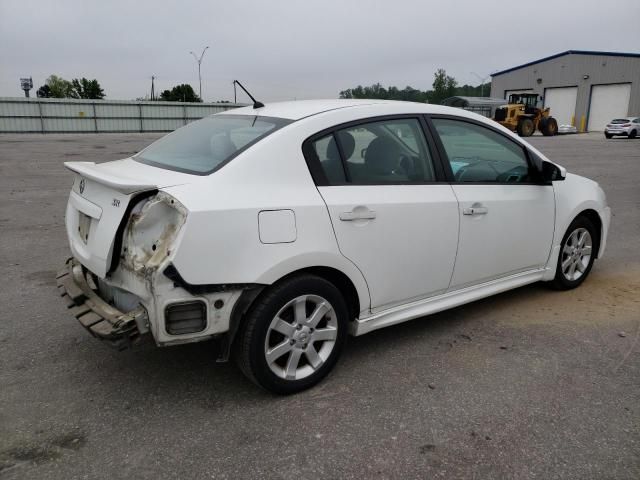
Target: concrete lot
[529,384]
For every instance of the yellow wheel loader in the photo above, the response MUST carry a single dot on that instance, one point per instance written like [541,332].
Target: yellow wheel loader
[522,115]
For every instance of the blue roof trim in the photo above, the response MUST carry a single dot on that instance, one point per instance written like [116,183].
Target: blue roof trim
[568,52]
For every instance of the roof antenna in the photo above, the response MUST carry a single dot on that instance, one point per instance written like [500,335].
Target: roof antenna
[256,104]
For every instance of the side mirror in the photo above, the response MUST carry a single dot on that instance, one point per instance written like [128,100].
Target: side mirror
[551,172]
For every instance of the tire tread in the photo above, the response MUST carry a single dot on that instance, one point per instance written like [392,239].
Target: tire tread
[560,282]
[245,338]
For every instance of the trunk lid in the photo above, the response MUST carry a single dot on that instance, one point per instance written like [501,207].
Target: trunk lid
[101,197]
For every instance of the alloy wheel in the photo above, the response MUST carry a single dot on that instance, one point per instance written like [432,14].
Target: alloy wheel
[576,254]
[301,337]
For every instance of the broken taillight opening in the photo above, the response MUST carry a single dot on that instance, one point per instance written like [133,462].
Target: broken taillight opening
[185,317]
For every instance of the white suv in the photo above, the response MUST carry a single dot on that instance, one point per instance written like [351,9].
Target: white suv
[279,230]
[627,126]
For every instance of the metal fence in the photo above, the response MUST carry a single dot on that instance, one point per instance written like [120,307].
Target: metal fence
[53,115]
[485,110]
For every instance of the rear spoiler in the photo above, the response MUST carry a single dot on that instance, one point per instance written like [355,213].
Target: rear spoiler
[120,183]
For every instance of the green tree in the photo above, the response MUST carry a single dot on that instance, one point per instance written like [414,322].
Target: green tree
[59,87]
[483,90]
[376,91]
[180,93]
[84,88]
[44,91]
[444,86]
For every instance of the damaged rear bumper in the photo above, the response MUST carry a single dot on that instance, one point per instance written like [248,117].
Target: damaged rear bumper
[78,290]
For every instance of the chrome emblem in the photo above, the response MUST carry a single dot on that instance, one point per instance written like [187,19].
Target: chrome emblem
[81,186]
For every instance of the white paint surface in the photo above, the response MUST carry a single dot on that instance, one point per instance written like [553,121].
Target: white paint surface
[277,226]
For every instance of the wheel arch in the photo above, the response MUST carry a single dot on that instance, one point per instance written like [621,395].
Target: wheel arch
[594,217]
[333,275]
[343,282]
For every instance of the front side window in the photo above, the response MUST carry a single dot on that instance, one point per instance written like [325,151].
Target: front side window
[205,145]
[478,154]
[388,151]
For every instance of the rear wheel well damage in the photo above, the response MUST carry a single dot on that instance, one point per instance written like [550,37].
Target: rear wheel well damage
[250,295]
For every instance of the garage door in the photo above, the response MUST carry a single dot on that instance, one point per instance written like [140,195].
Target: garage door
[509,92]
[607,103]
[562,102]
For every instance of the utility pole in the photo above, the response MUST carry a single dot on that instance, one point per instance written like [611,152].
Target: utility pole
[235,97]
[482,82]
[199,60]
[152,89]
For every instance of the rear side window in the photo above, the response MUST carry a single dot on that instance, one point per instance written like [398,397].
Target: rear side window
[478,154]
[205,145]
[327,152]
[388,151]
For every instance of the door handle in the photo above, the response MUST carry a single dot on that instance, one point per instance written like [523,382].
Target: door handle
[475,210]
[358,213]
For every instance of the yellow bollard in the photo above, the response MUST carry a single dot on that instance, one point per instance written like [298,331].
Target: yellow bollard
[583,120]
[573,120]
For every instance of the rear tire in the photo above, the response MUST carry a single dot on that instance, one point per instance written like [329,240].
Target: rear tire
[293,334]
[608,135]
[525,127]
[550,127]
[577,253]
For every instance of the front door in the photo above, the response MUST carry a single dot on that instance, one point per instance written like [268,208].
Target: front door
[390,216]
[506,216]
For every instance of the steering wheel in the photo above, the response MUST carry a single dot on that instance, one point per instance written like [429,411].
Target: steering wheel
[460,174]
[514,175]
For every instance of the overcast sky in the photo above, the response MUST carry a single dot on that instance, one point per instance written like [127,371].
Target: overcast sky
[295,49]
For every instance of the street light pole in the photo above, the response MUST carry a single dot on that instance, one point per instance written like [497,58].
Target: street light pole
[482,80]
[199,60]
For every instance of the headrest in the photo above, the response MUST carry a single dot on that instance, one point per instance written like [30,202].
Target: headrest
[382,156]
[347,143]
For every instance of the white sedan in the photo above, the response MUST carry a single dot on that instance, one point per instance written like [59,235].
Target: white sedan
[281,229]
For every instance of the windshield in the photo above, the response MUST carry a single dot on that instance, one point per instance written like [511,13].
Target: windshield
[207,144]
[620,120]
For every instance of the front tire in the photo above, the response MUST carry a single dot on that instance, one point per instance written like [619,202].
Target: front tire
[632,134]
[550,127]
[293,334]
[525,127]
[577,253]
[608,135]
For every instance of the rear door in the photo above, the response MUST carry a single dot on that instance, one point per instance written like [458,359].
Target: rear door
[392,217]
[506,216]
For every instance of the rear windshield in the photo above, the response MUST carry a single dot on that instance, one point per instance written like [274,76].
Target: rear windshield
[207,144]
[620,120]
